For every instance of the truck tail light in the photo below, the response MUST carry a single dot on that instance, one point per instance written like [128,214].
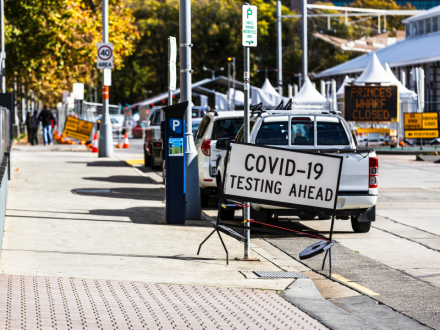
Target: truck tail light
[157,144]
[373,172]
[206,147]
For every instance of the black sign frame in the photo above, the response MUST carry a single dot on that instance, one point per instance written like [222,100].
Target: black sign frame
[391,104]
[282,204]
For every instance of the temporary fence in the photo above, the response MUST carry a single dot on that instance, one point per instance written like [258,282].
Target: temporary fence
[5,166]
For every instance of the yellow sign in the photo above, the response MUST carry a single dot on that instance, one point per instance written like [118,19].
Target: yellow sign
[430,120]
[431,134]
[78,129]
[413,120]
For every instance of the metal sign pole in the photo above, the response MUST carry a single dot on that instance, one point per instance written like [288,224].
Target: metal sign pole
[304,39]
[246,209]
[279,50]
[106,136]
[193,206]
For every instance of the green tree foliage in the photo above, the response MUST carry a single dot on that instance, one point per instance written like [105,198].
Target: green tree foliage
[51,44]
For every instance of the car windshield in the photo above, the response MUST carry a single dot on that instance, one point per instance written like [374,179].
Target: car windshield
[155,118]
[224,128]
[302,133]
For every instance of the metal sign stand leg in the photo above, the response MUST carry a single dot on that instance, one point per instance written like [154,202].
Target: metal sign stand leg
[329,251]
[218,213]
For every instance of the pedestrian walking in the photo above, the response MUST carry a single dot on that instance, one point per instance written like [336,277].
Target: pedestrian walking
[28,125]
[46,117]
[34,122]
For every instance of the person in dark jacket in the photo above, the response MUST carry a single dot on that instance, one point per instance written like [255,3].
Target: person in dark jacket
[34,122]
[28,125]
[45,117]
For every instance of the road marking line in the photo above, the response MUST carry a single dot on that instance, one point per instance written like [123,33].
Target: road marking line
[355,285]
[135,162]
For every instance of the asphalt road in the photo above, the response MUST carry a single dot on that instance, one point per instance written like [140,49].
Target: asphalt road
[398,262]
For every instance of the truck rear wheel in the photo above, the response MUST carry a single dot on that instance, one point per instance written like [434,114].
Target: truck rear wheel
[147,158]
[360,227]
[227,214]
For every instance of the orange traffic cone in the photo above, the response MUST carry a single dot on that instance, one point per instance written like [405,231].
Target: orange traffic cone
[126,145]
[95,143]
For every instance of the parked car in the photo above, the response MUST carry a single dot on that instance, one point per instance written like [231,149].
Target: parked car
[153,140]
[358,186]
[138,131]
[215,125]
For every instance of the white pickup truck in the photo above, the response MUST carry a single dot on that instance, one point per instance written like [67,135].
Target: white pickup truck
[323,132]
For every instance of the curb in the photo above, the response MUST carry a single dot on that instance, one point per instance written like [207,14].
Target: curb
[303,294]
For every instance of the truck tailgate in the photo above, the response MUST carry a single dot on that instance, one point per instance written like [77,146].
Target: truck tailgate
[354,174]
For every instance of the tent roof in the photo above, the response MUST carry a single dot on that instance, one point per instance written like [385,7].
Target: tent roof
[268,88]
[374,73]
[403,91]
[341,90]
[308,94]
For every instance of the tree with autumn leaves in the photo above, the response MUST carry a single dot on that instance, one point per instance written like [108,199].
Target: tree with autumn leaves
[51,44]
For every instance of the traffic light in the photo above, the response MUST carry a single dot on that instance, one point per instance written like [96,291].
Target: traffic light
[230,59]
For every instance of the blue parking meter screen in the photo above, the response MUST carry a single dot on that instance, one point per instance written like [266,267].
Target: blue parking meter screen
[175,146]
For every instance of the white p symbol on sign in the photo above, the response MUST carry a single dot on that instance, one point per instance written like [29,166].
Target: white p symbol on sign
[176,125]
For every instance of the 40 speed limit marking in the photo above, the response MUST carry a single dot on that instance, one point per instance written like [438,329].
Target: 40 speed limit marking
[283,177]
[105,55]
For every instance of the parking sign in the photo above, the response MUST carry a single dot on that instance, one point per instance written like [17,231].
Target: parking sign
[249,20]
[105,55]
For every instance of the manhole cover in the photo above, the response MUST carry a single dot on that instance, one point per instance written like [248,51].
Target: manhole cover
[93,191]
[269,274]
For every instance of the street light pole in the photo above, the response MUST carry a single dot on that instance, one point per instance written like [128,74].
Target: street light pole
[3,55]
[304,39]
[105,148]
[279,50]
[193,207]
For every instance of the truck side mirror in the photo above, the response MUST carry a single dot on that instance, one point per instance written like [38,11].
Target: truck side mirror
[223,143]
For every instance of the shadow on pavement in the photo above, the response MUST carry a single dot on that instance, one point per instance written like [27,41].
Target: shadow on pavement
[120,179]
[99,163]
[156,194]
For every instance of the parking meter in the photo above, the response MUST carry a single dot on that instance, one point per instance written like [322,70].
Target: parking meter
[174,147]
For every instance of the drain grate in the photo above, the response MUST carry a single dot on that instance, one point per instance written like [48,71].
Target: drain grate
[93,191]
[269,274]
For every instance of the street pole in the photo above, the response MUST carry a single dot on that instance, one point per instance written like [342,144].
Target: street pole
[246,209]
[193,207]
[279,50]
[170,92]
[105,148]
[233,83]
[304,39]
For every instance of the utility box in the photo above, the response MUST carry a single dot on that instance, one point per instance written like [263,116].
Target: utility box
[174,147]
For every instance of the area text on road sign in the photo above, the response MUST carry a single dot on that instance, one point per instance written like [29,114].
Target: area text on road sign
[275,176]
[105,55]
[78,129]
[423,134]
[249,20]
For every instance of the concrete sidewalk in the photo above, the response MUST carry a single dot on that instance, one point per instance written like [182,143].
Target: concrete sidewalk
[83,234]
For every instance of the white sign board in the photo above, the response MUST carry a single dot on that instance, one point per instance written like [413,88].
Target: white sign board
[249,20]
[172,68]
[105,55]
[283,177]
[78,91]
[107,77]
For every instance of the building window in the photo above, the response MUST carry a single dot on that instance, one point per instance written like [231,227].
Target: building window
[414,29]
[435,24]
[420,27]
[428,25]
[408,30]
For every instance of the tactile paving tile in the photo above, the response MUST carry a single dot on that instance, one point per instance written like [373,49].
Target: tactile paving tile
[64,303]
[269,274]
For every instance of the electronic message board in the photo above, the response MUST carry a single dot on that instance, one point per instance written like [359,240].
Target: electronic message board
[283,177]
[371,103]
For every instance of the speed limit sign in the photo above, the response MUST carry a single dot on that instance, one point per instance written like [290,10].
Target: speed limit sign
[105,56]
